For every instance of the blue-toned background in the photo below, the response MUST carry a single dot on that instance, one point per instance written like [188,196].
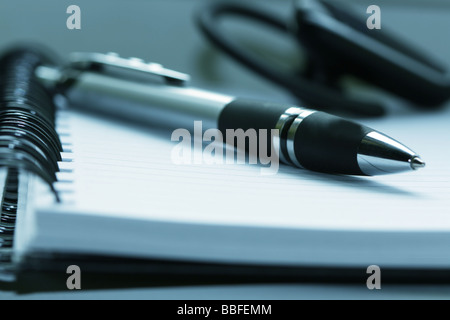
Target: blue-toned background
[164,31]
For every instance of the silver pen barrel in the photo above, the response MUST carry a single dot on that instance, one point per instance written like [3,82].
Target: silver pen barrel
[160,104]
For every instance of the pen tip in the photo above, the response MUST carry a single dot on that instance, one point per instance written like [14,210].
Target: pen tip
[417,163]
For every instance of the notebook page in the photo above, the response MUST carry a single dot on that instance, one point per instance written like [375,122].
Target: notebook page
[125,170]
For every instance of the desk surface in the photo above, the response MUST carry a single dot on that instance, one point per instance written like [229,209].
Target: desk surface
[251,292]
[164,32]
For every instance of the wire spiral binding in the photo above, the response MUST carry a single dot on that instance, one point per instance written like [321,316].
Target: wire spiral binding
[28,139]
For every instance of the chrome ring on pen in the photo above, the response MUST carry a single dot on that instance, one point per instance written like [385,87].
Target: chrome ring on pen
[287,125]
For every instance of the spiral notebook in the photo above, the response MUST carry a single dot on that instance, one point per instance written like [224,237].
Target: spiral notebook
[108,196]
[122,198]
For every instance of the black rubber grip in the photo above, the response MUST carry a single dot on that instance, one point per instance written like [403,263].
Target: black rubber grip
[327,143]
[251,114]
[322,142]
[246,114]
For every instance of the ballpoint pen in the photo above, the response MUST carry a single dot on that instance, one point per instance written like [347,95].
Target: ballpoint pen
[307,138]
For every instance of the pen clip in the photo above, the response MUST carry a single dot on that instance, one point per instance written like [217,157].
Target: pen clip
[91,61]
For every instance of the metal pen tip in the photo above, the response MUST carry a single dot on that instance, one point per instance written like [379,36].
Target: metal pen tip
[417,163]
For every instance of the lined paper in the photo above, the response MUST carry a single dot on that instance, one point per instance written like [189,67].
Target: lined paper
[121,169]
[128,199]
